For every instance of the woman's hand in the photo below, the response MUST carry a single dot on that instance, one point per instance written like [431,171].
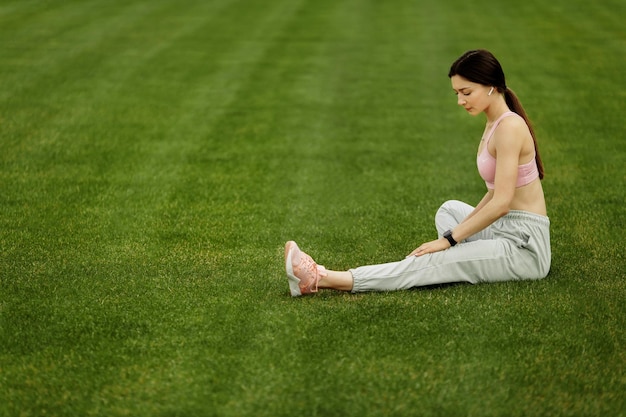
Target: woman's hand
[430,247]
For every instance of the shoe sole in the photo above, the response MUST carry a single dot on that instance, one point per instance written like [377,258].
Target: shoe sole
[294,282]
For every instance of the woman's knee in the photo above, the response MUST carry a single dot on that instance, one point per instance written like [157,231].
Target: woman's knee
[450,206]
[450,214]
[455,209]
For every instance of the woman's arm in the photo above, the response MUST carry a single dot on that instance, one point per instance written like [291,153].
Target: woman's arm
[479,206]
[508,140]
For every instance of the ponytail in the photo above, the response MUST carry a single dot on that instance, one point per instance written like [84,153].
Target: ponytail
[514,104]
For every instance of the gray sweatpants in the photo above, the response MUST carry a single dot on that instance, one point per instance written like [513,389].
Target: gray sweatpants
[515,247]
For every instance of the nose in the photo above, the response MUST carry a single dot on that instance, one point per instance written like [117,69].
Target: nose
[460,100]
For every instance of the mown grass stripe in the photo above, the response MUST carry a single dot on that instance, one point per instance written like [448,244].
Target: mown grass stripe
[143,214]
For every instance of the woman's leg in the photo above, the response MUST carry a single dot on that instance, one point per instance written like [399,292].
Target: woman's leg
[305,276]
[451,214]
[467,262]
[519,249]
[472,262]
[337,280]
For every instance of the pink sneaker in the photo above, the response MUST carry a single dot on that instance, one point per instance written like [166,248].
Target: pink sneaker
[302,271]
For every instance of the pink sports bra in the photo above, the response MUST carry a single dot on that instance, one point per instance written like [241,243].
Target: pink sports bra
[526,173]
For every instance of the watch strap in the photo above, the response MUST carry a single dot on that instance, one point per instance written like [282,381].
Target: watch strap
[448,235]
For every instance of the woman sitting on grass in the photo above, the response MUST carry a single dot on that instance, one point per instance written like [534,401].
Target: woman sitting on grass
[505,237]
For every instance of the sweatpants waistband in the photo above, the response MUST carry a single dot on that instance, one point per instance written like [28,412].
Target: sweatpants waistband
[526,216]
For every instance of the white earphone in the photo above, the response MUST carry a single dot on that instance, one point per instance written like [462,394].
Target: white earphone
[490,91]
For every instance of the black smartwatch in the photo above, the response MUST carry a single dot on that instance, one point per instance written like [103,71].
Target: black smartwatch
[448,235]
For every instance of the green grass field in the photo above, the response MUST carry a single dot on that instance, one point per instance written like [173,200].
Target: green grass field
[156,155]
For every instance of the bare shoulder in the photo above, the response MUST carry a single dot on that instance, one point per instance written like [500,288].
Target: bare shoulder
[512,130]
[514,125]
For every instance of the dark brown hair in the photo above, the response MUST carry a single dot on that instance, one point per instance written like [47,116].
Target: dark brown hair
[480,66]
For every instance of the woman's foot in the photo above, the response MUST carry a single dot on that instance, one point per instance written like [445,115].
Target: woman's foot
[302,271]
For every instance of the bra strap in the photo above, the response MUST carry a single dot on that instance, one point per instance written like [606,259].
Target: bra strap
[497,122]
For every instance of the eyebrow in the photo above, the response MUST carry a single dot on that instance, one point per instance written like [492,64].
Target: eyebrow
[461,90]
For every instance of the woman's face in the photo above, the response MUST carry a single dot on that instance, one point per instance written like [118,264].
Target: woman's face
[472,96]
